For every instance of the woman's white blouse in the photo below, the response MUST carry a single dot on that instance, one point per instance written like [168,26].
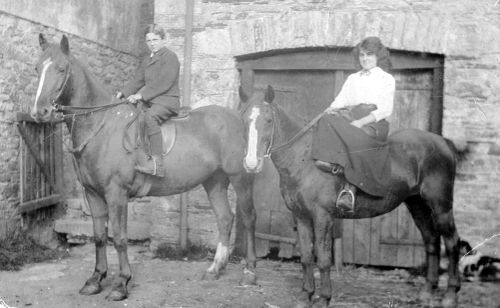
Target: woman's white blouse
[370,87]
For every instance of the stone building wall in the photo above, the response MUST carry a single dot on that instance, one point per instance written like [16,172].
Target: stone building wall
[19,52]
[114,23]
[465,32]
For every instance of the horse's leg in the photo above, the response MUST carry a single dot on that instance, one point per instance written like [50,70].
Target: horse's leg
[438,193]
[216,187]
[446,226]
[306,242]
[422,215]
[323,244]
[243,185]
[117,200]
[99,212]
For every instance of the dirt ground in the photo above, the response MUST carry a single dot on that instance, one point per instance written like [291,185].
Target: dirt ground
[172,283]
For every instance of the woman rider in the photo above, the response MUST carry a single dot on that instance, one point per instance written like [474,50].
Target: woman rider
[373,86]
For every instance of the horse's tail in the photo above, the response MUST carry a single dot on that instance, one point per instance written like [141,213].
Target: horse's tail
[459,153]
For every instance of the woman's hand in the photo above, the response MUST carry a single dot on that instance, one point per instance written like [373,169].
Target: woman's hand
[331,110]
[363,121]
[134,98]
[357,123]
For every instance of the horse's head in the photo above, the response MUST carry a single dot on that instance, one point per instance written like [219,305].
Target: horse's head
[258,117]
[54,72]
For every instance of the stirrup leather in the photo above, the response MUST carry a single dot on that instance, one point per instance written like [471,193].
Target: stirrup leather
[353,198]
[155,166]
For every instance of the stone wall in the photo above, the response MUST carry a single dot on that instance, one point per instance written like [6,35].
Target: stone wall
[466,32]
[19,52]
[114,23]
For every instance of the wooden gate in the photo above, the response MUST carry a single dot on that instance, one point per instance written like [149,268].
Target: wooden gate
[306,82]
[40,164]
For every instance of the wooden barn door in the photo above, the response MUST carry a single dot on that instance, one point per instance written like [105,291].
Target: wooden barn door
[393,239]
[305,83]
[40,164]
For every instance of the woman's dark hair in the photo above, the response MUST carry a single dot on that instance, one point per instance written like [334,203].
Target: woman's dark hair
[154,28]
[373,44]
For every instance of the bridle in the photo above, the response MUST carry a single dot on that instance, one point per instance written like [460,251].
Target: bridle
[61,91]
[84,109]
[300,133]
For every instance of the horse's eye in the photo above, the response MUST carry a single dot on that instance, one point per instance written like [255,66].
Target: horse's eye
[60,69]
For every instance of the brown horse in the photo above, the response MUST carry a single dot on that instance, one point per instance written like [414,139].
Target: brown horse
[209,150]
[423,171]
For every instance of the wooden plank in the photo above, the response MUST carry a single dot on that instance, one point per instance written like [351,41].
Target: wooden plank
[35,132]
[362,241]
[43,153]
[436,113]
[58,158]
[374,236]
[348,241]
[332,59]
[405,252]
[29,144]
[264,201]
[22,170]
[388,232]
[247,79]
[39,203]
[276,238]
[338,253]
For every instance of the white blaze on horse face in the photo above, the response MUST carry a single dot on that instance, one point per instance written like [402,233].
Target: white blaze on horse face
[251,159]
[48,62]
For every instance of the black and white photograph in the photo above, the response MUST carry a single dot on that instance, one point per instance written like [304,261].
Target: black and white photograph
[250,153]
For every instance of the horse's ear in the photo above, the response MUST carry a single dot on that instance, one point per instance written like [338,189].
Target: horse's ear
[65,45]
[243,95]
[42,41]
[269,96]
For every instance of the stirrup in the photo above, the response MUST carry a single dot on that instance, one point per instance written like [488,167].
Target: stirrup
[353,198]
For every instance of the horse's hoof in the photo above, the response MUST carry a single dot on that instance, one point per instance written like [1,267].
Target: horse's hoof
[450,300]
[209,276]
[320,303]
[302,304]
[303,300]
[249,279]
[426,294]
[91,289]
[116,295]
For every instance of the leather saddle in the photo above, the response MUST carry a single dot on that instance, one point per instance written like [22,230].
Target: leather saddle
[169,131]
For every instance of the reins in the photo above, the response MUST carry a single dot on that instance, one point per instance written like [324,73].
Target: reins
[288,143]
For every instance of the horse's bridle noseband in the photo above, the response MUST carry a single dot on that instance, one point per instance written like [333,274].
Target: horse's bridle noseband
[54,103]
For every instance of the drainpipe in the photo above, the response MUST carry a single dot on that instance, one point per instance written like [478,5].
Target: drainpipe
[186,94]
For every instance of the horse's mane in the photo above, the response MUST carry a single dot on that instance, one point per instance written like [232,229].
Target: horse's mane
[289,122]
[97,87]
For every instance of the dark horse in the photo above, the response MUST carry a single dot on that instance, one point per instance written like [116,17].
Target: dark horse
[209,150]
[423,171]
